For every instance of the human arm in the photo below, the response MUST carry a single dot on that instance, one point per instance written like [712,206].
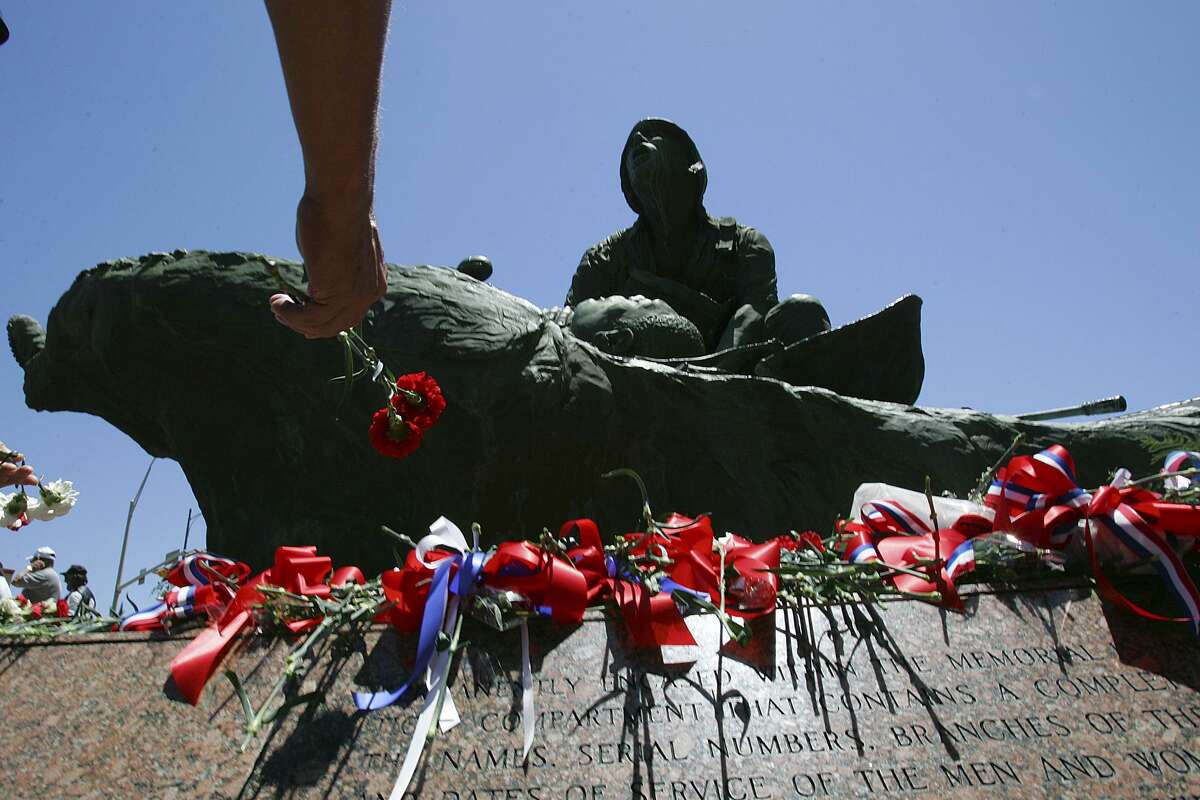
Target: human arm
[29,575]
[10,473]
[332,56]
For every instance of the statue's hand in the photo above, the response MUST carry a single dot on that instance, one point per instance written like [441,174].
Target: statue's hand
[746,327]
[341,250]
[560,316]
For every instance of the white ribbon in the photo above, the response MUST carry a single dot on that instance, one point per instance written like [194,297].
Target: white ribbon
[444,533]
[439,671]
[527,693]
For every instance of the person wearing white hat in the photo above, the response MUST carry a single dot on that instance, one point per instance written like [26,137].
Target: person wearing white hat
[38,581]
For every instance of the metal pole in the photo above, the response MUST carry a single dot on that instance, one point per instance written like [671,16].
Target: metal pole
[187,530]
[125,540]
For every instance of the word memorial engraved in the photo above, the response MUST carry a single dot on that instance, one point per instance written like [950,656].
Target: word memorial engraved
[1029,694]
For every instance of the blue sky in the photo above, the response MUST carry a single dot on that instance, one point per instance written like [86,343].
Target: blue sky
[1030,169]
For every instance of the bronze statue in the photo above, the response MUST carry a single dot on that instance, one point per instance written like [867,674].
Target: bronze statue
[715,272]
[277,454]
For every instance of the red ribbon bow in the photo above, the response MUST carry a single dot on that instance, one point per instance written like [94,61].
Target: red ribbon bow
[298,570]
[1050,504]
[652,619]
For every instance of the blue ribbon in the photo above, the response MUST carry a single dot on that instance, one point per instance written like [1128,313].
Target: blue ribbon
[670,587]
[431,625]
[470,566]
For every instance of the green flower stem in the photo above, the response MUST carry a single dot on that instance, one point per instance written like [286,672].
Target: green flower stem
[894,569]
[1183,473]
[260,718]
[929,597]
[647,517]
[441,698]
[398,536]
[294,669]
[985,480]
[937,533]
[367,353]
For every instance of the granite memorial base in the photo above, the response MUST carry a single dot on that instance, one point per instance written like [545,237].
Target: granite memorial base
[1032,694]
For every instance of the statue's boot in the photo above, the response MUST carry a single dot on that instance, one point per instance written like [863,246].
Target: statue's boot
[875,358]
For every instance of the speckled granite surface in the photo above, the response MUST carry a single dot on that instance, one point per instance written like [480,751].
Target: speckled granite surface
[1017,699]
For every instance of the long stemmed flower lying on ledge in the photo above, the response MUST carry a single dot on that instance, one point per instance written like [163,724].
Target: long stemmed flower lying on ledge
[652,579]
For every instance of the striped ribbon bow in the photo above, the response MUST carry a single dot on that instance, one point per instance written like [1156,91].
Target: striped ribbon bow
[1041,499]
[893,534]
[201,588]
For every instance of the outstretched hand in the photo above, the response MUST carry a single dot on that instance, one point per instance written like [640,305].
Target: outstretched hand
[344,258]
[10,473]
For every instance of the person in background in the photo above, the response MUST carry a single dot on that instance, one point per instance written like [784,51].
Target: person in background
[78,592]
[38,581]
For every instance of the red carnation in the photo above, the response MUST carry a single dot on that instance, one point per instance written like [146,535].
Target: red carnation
[63,609]
[35,610]
[810,539]
[393,436]
[22,600]
[418,399]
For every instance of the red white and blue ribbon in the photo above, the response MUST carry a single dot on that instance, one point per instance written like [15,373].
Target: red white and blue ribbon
[195,592]
[891,534]
[894,516]
[197,569]
[1177,461]
[299,570]
[1031,490]
[1047,506]
[961,560]
[1126,524]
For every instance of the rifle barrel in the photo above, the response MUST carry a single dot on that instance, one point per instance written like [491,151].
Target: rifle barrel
[1107,405]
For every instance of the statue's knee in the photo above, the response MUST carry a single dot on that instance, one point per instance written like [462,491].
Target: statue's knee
[797,317]
[745,327]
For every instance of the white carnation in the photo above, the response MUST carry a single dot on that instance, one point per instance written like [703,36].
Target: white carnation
[9,608]
[13,508]
[58,498]
[33,510]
